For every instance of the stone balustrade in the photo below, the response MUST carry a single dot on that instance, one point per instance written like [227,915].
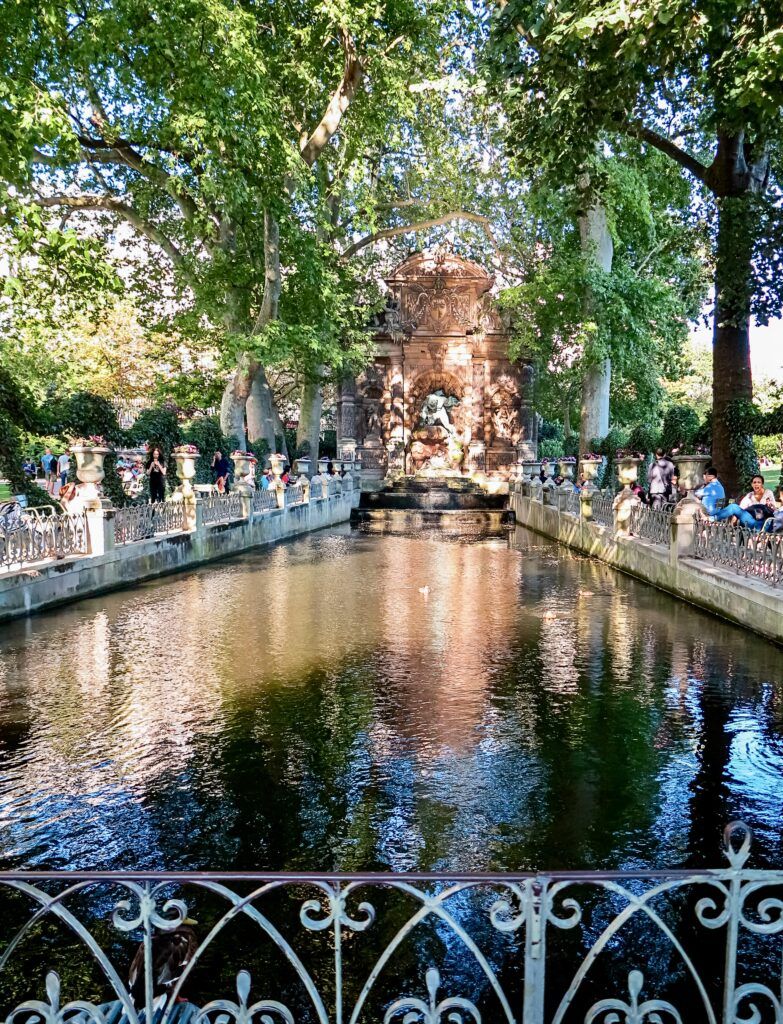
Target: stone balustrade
[734,572]
[61,558]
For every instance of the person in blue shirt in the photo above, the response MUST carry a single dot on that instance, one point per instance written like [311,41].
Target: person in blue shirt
[712,492]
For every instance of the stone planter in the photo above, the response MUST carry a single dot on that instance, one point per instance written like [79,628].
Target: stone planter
[589,469]
[567,473]
[690,473]
[186,471]
[244,465]
[302,467]
[627,471]
[90,472]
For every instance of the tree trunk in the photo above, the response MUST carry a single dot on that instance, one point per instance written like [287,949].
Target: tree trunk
[235,395]
[731,371]
[739,172]
[262,418]
[238,388]
[309,429]
[596,382]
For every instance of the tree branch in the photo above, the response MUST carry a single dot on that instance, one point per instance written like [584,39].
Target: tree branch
[671,149]
[422,225]
[112,204]
[311,147]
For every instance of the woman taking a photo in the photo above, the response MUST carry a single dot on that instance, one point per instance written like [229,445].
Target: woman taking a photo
[156,471]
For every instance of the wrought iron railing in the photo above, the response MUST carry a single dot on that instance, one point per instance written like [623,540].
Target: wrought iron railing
[750,552]
[28,536]
[221,508]
[140,522]
[573,505]
[603,510]
[635,947]
[651,524]
[294,495]
[264,499]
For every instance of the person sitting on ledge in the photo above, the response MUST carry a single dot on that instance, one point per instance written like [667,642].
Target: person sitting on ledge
[756,507]
[712,492]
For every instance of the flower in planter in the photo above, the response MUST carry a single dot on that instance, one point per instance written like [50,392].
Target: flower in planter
[186,449]
[591,457]
[92,441]
[243,455]
[567,460]
[692,449]
[626,453]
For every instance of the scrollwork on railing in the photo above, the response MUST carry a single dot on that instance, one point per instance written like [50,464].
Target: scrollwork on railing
[755,553]
[294,495]
[264,499]
[603,511]
[651,524]
[615,1011]
[221,508]
[27,537]
[141,522]
[316,940]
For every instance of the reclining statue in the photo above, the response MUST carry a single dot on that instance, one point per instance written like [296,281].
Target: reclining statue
[435,411]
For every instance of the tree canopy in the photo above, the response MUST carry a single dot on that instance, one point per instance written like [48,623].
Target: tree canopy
[697,80]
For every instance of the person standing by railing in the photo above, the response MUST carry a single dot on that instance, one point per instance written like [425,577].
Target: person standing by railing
[659,480]
[220,472]
[156,471]
[63,465]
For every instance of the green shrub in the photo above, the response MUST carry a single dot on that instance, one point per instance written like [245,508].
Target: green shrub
[84,414]
[769,446]
[550,448]
[680,427]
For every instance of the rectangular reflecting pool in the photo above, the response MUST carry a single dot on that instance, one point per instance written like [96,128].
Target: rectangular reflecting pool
[361,701]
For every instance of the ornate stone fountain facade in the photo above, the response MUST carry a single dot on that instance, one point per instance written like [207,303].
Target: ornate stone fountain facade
[441,396]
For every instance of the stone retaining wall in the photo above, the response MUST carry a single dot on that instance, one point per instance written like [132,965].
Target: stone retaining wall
[111,566]
[746,601]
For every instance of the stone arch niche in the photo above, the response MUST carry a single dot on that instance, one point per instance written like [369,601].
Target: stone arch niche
[440,333]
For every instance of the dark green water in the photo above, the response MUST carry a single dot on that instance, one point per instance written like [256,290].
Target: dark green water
[309,707]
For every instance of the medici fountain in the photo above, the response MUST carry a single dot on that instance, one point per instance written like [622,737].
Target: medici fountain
[441,410]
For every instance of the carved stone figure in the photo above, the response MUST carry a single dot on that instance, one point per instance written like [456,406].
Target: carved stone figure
[435,411]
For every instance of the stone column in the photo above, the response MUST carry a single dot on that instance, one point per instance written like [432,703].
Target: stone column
[396,422]
[346,425]
[100,530]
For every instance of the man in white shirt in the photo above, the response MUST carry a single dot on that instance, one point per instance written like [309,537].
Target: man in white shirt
[63,465]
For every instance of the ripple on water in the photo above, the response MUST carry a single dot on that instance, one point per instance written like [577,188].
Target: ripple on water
[309,706]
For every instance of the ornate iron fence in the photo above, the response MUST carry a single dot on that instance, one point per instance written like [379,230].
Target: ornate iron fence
[28,536]
[221,508]
[573,505]
[264,498]
[651,524]
[140,522]
[749,552]
[294,495]
[637,947]
[603,512]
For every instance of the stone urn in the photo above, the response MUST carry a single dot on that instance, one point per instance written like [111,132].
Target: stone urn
[627,470]
[186,471]
[244,465]
[589,469]
[277,462]
[567,473]
[323,465]
[302,467]
[90,471]
[690,474]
